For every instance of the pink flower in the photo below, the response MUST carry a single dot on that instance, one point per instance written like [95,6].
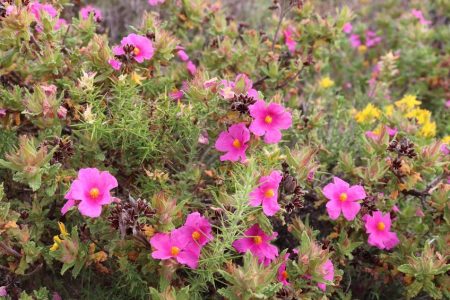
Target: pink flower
[60,23]
[289,41]
[3,291]
[2,112]
[378,226]
[347,28]
[372,39]
[62,112]
[176,95]
[343,197]
[328,273]
[257,242]
[241,85]
[419,213]
[447,104]
[37,9]
[282,273]
[267,193]
[191,67]
[182,54]
[233,142]
[88,10]
[175,245]
[115,64]
[419,16]
[155,2]
[203,138]
[445,149]
[197,230]
[355,41]
[268,120]
[142,47]
[395,209]
[92,190]
[376,135]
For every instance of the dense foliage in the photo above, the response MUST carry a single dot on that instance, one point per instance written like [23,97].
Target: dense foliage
[300,155]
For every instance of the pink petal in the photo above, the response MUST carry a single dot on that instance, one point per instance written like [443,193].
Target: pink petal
[350,210]
[90,209]
[333,209]
[69,204]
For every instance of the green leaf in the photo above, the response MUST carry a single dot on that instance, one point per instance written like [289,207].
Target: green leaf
[407,269]
[414,289]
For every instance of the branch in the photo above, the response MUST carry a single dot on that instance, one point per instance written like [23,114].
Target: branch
[10,250]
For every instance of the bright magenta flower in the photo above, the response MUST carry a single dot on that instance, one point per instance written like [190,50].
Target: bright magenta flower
[37,9]
[175,245]
[282,273]
[197,230]
[182,54]
[155,2]
[241,85]
[328,273]
[378,226]
[267,193]
[347,28]
[257,242]
[233,142]
[191,67]
[115,64]
[419,16]
[268,120]
[92,190]
[91,10]
[142,47]
[289,41]
[343,197]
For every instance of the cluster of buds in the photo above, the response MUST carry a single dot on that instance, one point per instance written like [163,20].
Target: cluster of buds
[241,103]
[290,187]
[129,217]
[404,147]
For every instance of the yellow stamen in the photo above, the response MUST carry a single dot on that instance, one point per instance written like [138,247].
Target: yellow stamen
[257,239]
[94,193]
[62,229]
[343,197]
[381,226]
[285,275]
[196,235]
[269,193]
[237,144]
[268,119]
[136,51]
[174,250]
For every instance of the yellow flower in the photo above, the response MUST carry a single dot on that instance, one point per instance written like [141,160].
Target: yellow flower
[62,229]
[368,114]
[421,115]
[137,78]
[362,49]
[56,242]
[446,139]
[428,129]
[389,110]
[408,102]
[326,82]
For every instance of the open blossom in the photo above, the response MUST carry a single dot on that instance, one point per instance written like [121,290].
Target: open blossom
[37,9]
[343,198]
[375,135]
[372,39]
[241,85]
[155,2]
[257,242]
[233,142]
[419,16]
[267,193]
[197,230]
[289,41]
[138,46]
[327,269]
[269,120]
[282,273]
[91,10]
[347,28]
[378,226]
[92,190]
[175,245]
[115,64]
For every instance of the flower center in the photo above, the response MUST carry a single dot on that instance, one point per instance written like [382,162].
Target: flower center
[343,197]
[237,144]
[196,235]
[257,239]
[136,51]
[269,193]
[381,226]
[94,193]
[174,250]
[285,275]
[268,119]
